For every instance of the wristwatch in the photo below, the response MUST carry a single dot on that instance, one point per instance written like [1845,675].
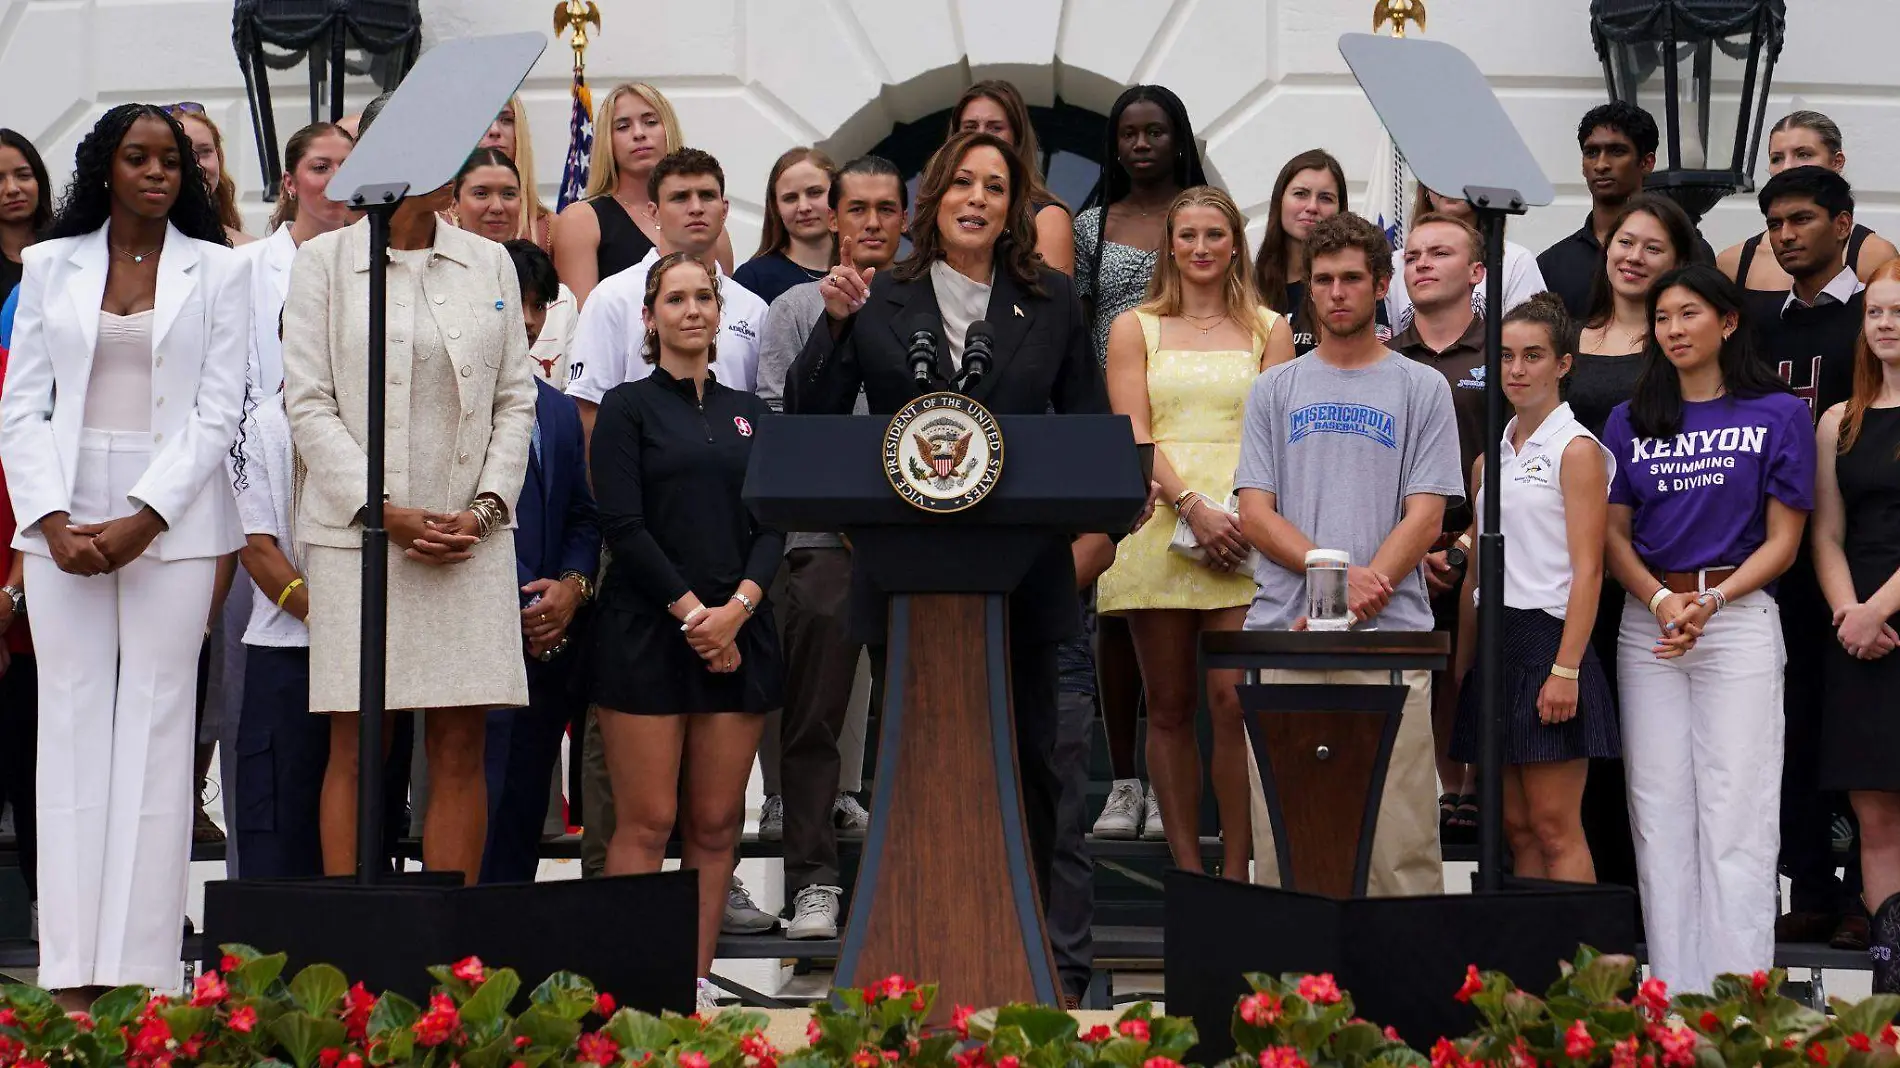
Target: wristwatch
[586,584]
[18,597]
[1456,558]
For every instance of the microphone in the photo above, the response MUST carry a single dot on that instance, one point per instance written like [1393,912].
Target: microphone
[922,351]
[978,343]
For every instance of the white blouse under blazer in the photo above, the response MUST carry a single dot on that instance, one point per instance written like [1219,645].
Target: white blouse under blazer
[201,336]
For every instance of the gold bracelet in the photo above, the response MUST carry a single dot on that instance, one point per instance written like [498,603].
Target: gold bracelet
[285,594]
[1563,672]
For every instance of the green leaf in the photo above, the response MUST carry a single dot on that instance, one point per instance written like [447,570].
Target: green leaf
[568,994]
[184,1020]
[30,1000]
[318,988]
[1125,1052]
[256,974]
[982,1023]
[1869,1016]
[1171,1036]
[393,1013]
[117,1006]
[638,1032]
[490,1054]
[545,1026]
[304,1036]
[491,1000]
[1601,979]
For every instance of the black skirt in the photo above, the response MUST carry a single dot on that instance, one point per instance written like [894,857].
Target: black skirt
[1531,641]
[639,663]
[1860,721]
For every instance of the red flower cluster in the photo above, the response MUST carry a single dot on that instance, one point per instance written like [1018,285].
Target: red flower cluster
[1281,1057]
[229,963]
[604,1004]
[1392,1034]
[208,989]
[357,1006]
[1678,1045]
[1521,1055]
[1009,1060]
[1161,1062]
[1474,983]
[693,1059]
[814,1032]
[1759,981]
[595,1047]
[1623,1053]
[440,1022]
[1261,1010]
[336,1058]
[1098,1033]
[1652,996]
[1860,1043]
[960,1020]
[1710,1022]
[81,1020]
[469,970]
[893,987]
[1319,989]
[1578,1045]
[244,1020]
[760,1049]
[974,1057]
[151,1046]
[1818,1054]
[1447,1055]
[1135,1029]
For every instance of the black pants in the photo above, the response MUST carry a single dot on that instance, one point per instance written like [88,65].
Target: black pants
[522,747]
[19,754]
[820,661]
[1032,671]
[1606,813]
[283,749]
[1071,894]
[1807,813]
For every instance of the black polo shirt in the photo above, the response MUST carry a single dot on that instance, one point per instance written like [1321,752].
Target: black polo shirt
[1462,364]
[1570,266]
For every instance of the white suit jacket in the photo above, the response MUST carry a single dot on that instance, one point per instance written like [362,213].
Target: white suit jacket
[201,332]
[470,289]
[270,280]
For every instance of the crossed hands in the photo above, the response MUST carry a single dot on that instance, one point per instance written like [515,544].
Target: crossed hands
[713,634]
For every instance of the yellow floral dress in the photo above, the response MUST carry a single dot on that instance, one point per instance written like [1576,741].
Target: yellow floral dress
[1196,404]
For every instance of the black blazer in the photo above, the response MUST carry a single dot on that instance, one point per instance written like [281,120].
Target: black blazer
[1043,361]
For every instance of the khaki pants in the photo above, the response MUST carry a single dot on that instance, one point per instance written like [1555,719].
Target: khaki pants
[1405,855]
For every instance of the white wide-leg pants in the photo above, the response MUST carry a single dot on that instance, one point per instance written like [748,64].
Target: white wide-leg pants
[118,659]
[1702,751]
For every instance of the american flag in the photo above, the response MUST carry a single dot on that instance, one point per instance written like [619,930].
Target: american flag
[580,144]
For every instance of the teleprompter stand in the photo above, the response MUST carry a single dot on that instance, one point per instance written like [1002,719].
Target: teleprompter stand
[953,901]
[386,931]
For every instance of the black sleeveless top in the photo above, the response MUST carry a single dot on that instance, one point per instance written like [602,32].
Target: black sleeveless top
[622,243]
[1749,247]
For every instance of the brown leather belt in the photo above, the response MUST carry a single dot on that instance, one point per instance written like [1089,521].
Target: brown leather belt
[1696,581]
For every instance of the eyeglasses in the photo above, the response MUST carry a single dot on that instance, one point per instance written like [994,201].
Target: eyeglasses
[184,107]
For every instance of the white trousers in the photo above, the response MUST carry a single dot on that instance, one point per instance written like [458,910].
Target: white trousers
[118,658]
[1702,751]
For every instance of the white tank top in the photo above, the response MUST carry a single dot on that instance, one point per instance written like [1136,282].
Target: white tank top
[119,393]
[1536,542]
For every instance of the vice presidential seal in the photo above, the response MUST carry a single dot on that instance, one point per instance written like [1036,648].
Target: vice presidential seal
[943,452]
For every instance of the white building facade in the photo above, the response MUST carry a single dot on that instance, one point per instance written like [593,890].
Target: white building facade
[1262,79]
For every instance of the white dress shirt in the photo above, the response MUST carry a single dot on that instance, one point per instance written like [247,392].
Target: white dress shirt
[263,503]
[605,350]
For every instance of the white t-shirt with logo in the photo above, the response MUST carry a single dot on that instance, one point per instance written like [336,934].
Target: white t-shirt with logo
[1537,554]
[605,350]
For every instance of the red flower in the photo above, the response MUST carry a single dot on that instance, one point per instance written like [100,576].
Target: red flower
[1759,981]
[209,989]
[229,963]
[865,1057]
[1710,1023]
[1135,1029]
[1474,983]
[693,1059]
[813,1032]
[81,1020]
[1623,1053]
[154,1035]
[329,1057]
[960,1020]
[1279,1057]
[1009,1060]
[896,986]
[35,1063]
[244,1020]
[1161,1062]
[350,1060]
[917,1001]
[439,1023]
[1392,1034]
[1652,996]
[596,1048]
[1098,1033]
[1860,1042]
[1889,1036]
[1578,1045]
[760,1049]
[1818,1054]
[1678,1046]
[1521,1055]
[1319,989]
[975,1057]
[604,1004]
[1260,1009]
[469,970]
[522,1042]
[357,1006]
[8,1018]
[517,1064]
[1447,1055]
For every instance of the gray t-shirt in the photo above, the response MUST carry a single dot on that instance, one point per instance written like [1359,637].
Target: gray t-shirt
[1341,450]
[788,322]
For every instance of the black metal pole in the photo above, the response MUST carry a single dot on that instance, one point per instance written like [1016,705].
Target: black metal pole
[375,600]
[1491,565]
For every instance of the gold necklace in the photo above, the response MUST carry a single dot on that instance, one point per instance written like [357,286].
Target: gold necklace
[138,257]
[1205,330]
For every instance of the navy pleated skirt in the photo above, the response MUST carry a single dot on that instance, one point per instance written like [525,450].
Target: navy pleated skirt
[1531,640]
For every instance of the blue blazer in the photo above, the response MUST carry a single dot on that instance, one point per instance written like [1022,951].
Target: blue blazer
[556,526]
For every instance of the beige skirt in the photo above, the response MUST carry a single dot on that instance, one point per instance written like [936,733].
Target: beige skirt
[454,632]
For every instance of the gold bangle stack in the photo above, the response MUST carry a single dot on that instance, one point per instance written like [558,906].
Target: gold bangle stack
[489,516]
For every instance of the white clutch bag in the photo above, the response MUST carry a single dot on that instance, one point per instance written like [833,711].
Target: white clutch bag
[1183,543]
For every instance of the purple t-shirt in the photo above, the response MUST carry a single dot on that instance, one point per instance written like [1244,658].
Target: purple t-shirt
[1701,497]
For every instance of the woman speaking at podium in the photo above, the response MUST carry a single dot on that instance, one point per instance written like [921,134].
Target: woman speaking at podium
[972,259]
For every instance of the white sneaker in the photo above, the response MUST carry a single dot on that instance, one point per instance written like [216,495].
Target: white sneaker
[772,819]
[1121,816]
[849,817]
[742,916]
[706,1000]
[1151,828]
[815,913]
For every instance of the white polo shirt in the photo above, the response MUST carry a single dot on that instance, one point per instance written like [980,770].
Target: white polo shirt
[605,349]
[1537,556]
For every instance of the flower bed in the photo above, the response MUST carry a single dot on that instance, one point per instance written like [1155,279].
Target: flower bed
[247,1014]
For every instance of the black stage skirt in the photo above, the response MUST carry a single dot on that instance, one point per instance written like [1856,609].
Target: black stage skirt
[1531,640]
[639,663]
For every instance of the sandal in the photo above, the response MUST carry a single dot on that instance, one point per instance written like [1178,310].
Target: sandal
[1447,810]
[1464,818]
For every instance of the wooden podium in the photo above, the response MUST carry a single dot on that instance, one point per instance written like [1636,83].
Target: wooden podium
[946,890]
[1322,748]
